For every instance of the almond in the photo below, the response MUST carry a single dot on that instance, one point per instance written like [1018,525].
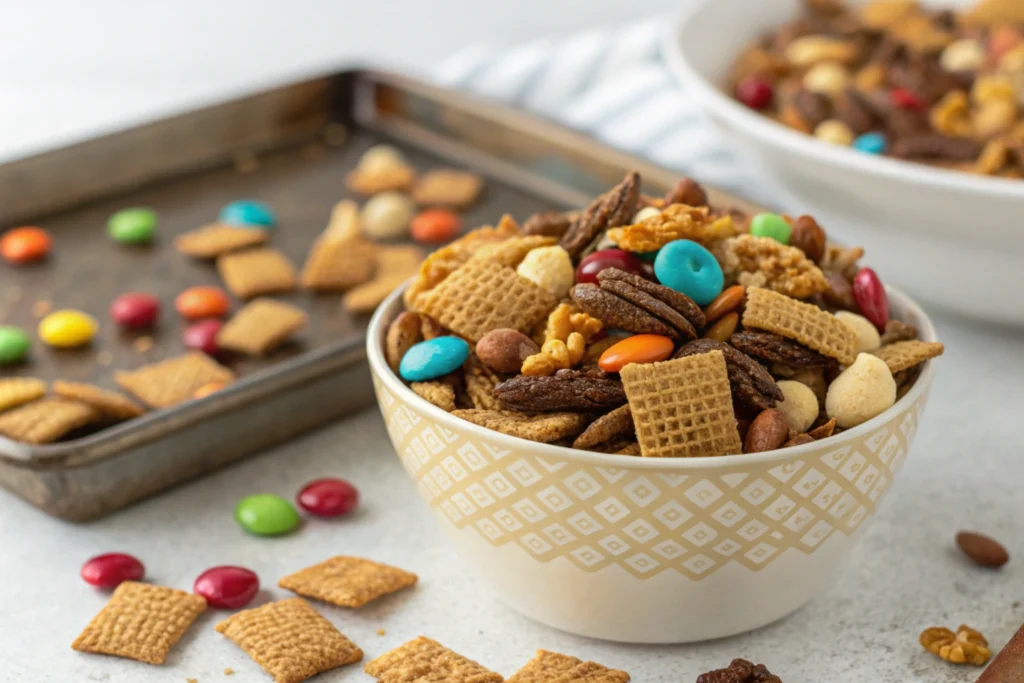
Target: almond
[767,432]
[982,550]
[504,350]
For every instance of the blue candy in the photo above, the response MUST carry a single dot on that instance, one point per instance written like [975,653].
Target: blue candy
[247,212]
[871,143]
[687,267]
[433,358]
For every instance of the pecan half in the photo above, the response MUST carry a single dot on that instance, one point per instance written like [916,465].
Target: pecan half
[615,424]
[612,209]
[549,223]
[687,191]
[751,384]
[565,390]
[677,301]
[618,313]
[775,349]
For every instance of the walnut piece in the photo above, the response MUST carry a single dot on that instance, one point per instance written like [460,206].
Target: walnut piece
[565,320]
[966,646]
[676,222]
[555,355]
[762,262]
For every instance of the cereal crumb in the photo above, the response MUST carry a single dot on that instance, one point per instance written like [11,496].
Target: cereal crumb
[246,162]
[41,308]
[143,344]
[381,632]
[104,358]
[229,671]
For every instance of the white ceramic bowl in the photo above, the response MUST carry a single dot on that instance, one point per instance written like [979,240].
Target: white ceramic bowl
[954,239]
[647,550]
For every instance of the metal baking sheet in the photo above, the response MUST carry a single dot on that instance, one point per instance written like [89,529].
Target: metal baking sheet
[303,137]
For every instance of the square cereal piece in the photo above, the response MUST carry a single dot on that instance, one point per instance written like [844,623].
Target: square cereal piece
[682,408]
[141,622]
[544,428]
[347,581]
[447,187]
[334,265]
[395,265]
[16,391]
[46,420]
[111,405]
[424,661]
[261,326]
[290,640]
[551,667]
[174,380]
[257,271]
[481,296]
[799,321]
[907,354]
[217,239]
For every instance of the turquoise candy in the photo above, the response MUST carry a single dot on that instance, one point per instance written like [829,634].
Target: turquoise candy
[14,345]
[265,514]
[132,226]
[871,143]
[247,212]
[687,267]
[433,358]
[771,225]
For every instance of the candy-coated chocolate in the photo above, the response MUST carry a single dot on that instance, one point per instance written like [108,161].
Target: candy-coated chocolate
[136,225]
[591,265]
[729,300]
[869,293]
[202,302]
[687,267]
[723,329]
[14,345]
[207,389]
[135,310]
[871,143]
[25,244]
[435,225]
[640,348]
[67,329]
[109,570]
[906,99]
[433,358]
[247,212]
[771,225]
[328,497]
[265,514]
[202,336]
[755,92]
[227,587]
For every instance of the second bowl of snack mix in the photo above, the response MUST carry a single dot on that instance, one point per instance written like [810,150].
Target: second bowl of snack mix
[898,122]
[639,462]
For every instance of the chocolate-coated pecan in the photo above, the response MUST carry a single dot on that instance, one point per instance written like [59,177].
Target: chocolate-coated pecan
[676,300]
[612,209]
[751,384]
[687,191]
[618,313]
[565,390]
[937,147]
[776,349]
[549,223]
[740,671]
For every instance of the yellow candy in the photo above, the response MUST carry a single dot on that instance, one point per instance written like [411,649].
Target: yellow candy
[67,329]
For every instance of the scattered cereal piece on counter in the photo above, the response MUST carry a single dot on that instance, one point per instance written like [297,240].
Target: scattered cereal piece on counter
[136,225]
[347,581]
[173,380]
[290,640]
[27,244]
[261,326]
[395,265]
[340,258]
[427,659]
[982,550]
[111,570]
[135,310]
[800,406]
[799,321]
[328,497]
[265,514]
[46,420]
[381,168]
[14,345]
[448,188]
[67,329]
[433,358]
[907,354]
[386,216]
[741,671]
[227,587]
[111,405]
[217,239]
[202,302]
[689,268]
[966,646]
[141,622]
[202,336]
[247,212]
[868,339]
[257,271]
[860,392]
[208,389]
[552,666]
[434,226]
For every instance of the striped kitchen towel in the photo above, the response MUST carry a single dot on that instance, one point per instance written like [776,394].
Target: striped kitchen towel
[613,85]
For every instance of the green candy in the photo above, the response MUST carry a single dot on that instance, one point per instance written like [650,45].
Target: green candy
[132,226]
[771,225]
[265,514]
[14,345]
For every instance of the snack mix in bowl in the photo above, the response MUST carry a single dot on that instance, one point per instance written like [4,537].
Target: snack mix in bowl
[655,327]
[893,77]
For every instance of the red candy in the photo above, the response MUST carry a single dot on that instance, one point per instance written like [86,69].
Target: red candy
[108,571]
[755,92]
[905,99]
[609,258]
[328,497]
[202,336]
[227,587]
[434,226]
[135,310]
[869,292]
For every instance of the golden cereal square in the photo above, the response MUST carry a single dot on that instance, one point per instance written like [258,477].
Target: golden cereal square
[551,667]
[290,640]
[799,321]
[257,271]
[423,660]
[447,187]
[15,391]
[908,354]
[112,405]
[174,380]
[347,581]
[217,239]
[141,622]
[261,326]
[46,420]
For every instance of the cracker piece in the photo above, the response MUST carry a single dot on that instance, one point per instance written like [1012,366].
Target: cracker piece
[441,394]
[682,407]
[605,428]
[551,667]
[46,420]
[256,271]
[512,251]
[395,265]
[174,380]
[217,239]
[544,428]
[261,326]
[423,660]
[290,640]
[110,404]
[907,354]
[371,181]
[480,297]
[16,391]
[347,581]
[805,323]
[448,187]
[340,258]
[480,383]
[141,622]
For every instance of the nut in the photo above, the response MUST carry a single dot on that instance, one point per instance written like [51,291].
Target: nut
[810,50]
[834,132]
[565,390]
[550,268]
[827,78]
[867,335]
[403,333]
[645,213]
[862,391]
[504,350]
[800,407]
[951,115]
[687,191]
[387,215]
[967,54]
[767,432]
[808,237]
[966,646]
[983,551]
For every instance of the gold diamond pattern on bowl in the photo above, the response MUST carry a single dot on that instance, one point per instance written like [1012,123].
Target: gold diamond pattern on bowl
[641,520]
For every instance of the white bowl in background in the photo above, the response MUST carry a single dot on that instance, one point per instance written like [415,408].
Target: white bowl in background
[954,239]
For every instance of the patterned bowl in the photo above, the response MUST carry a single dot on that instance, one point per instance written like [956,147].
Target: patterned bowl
[647,550]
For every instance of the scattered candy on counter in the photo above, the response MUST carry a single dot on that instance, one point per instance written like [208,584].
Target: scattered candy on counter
[386,216]
[66,329]
[640,348]
[247,212]
[135,310]
[14,345]
[111,569]
[689,268]
[328,497]
[208,389]
[25,245]
[202,336]
[133,226]
[202,302]
[265,514]
[433,358]
[590,266]
[227,587]
[771,225]
[434,226]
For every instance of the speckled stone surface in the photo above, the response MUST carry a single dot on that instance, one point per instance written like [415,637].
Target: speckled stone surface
[965,471]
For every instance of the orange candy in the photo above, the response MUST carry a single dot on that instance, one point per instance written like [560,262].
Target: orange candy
[207,389]
[202,302]
[435,225]
[25,245]
[640,348]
